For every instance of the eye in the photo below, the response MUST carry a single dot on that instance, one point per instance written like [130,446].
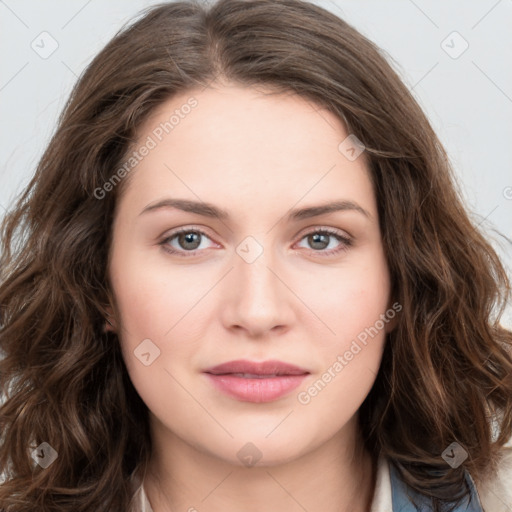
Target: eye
[188,241]
[321,239]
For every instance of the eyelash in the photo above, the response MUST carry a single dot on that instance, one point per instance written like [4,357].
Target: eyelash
[345,241]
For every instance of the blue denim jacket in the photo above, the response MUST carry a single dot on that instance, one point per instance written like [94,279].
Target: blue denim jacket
[403,497]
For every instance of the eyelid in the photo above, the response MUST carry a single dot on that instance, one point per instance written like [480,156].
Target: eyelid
[343,237]
[185,229]
[319,228]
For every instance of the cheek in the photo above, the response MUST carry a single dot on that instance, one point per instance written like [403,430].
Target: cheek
[152,316]
[157,305]
[349,359]
[334,396]
[351,300]
[356,311]
[153,297]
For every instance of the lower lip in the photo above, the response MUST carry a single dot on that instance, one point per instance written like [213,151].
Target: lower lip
[256,390]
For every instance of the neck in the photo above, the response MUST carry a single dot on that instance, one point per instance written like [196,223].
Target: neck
[337,476]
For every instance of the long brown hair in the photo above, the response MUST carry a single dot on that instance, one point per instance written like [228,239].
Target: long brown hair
[447,367]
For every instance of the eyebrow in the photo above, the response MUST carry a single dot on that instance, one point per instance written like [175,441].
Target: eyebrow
[214,212]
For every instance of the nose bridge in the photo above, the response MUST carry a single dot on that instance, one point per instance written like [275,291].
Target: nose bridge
[257,282]
[260,299]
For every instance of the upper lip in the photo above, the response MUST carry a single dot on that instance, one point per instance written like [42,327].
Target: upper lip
[271,367]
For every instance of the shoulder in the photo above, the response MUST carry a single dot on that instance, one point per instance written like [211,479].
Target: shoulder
[495,491]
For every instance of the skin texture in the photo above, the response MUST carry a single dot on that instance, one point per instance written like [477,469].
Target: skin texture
[256,156]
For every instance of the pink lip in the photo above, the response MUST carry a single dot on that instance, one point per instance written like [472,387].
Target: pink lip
[267,380]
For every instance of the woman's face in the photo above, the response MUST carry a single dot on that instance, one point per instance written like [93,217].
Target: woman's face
[264,282]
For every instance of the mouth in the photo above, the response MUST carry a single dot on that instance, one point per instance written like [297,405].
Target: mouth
[255,369]
[250,381]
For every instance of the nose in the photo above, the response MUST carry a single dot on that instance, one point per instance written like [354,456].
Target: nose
[257,298]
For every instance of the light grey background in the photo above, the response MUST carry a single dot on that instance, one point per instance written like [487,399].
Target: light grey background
[468,97]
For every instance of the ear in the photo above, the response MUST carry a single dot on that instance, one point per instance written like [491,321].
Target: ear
[392,314]
[110,324]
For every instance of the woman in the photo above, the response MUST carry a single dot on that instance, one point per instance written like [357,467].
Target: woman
[330,340]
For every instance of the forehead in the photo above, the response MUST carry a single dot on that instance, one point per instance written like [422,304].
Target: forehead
[243,116]
[254,143]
